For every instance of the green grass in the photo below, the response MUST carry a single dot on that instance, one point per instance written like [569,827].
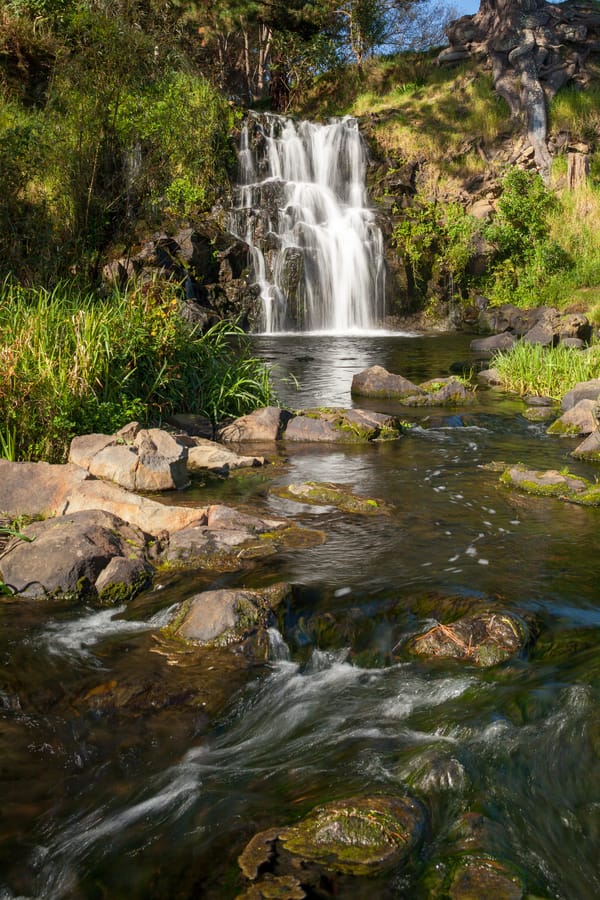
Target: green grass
[75,364]
[546,371]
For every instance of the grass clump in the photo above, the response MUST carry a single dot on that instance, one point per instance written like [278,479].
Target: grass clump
[546,371]
[76,364]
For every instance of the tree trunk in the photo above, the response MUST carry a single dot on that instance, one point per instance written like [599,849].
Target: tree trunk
[534,47]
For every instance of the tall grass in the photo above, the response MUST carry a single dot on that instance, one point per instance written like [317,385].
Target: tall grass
[546,371]
[71,364]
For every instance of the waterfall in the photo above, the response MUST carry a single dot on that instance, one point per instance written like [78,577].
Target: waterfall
[301,206]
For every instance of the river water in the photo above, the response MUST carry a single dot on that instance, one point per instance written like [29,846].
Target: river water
[148,798]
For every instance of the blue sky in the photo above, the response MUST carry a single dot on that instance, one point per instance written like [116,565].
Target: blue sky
[465,7]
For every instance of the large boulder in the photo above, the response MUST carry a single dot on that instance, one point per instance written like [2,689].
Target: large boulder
[264,424]
[585,390]
[589,449]
[340,426]
[91,553]
[579,419]
[225,617]
[378,382]
[151,460]
[494,343]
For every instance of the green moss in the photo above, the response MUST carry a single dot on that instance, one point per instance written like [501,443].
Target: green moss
[562,428]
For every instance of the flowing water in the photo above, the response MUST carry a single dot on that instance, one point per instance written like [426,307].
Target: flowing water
[149,797]
[301,206]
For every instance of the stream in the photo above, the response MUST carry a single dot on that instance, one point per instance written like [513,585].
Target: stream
[153,798]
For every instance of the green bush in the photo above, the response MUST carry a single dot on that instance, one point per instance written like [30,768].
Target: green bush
[74,364]
[546,371]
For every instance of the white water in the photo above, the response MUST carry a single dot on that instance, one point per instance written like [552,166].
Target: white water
[319,223]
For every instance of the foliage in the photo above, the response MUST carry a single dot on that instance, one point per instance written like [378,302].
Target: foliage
[546,371]
[74,364]
[114,129]
[436,240]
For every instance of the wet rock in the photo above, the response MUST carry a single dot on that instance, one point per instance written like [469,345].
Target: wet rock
[228,539]
[493,343]
[225,617]
[539,413]
[579,419]
[82,554]
[450,393]
[560,485]
[264,424]
[340,426]
[589,449]
[585,390]
[484,639]
[274,887]
[327,494]
[473,877]
[378,382]
[489,378]
[361,836]
[205,455]
[436,771]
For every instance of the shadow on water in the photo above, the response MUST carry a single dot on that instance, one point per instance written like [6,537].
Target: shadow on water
[150,798]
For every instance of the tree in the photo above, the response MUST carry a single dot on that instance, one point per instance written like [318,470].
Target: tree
[535,48]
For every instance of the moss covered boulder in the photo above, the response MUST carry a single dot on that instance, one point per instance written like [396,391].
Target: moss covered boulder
[319,493]
[483,639]
[551,483]
[337,425]
[579,419]
[224,617]
[361,836]
[474,877]
[378,382]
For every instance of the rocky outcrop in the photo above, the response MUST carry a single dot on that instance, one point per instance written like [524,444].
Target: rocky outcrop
[540,325]
[91,553]
[137,459]
[210,264]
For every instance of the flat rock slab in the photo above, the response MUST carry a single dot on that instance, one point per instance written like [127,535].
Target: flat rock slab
[560,485]
[225,617]
[579,419]
[327,494]
[494,343]
[378,382]
[483,639]
[146,459]
[43,490]
[340,426]
[264,424]
[205,455]
[90,553]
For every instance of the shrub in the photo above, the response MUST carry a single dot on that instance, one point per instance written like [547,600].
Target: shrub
[546,371]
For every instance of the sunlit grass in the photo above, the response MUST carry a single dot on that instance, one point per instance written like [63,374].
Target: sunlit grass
[546,371]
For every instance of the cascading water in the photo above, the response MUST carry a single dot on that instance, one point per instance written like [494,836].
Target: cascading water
[301,206]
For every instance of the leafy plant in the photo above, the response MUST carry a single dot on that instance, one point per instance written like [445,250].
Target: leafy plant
[546,371]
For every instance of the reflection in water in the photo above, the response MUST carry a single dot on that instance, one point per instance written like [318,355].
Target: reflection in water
[144,800]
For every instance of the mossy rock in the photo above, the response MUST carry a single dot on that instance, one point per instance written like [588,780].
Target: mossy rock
[474,877]
[274,887]
[483,639]
[551,483]
[357,837]
[328,494]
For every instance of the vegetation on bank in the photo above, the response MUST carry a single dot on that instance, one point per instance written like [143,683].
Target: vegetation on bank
[546,371]
[74,364]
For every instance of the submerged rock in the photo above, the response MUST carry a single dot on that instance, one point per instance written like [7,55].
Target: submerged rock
[474,877]
[327,494]
[484,639]
[361,836]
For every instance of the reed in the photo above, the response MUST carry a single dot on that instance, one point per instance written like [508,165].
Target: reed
[73,364]
[546,371]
